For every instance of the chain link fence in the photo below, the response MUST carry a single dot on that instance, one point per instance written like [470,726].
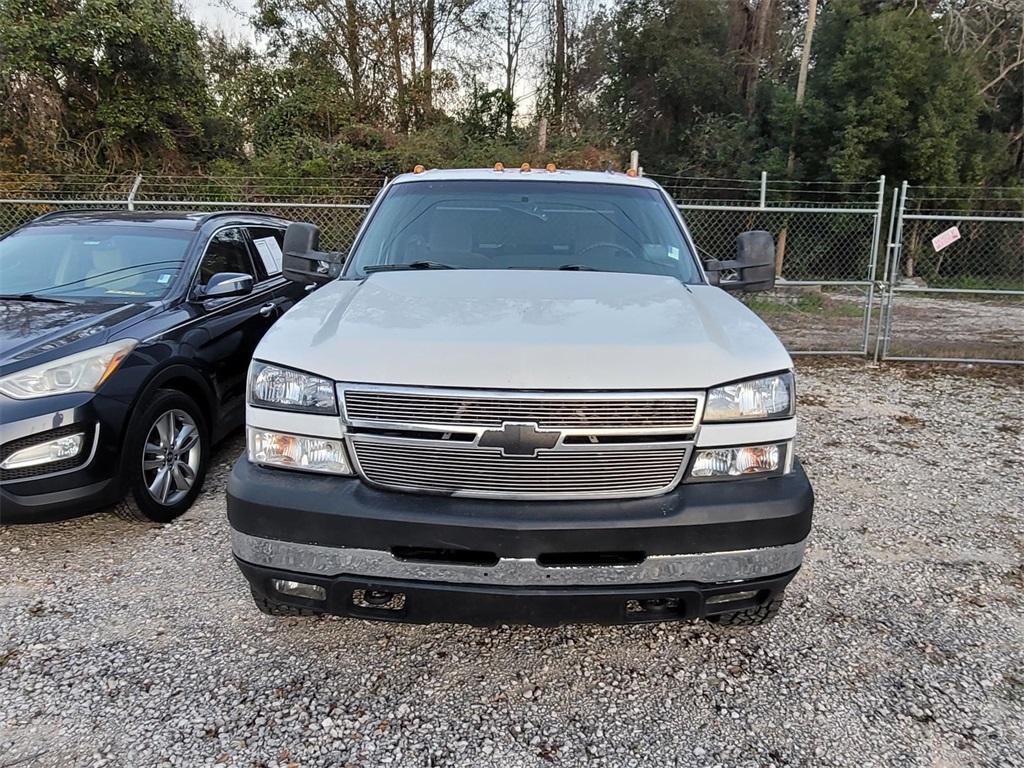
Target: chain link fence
[955,280]
[960,302]
[827,239]
[336,204]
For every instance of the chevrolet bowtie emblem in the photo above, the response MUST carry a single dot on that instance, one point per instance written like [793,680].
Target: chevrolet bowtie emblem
[518,439]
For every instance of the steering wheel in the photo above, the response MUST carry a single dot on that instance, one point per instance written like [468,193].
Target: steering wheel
[607,244]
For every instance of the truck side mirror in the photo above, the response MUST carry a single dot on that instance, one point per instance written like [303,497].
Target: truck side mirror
[754,264]
[302,262]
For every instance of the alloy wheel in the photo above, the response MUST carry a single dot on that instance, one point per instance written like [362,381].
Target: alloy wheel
[171,456]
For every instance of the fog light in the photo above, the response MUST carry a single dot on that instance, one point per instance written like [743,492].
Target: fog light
[58,449]
[299,589]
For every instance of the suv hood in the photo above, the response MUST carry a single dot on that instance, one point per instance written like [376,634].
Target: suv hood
[518,329]
[30,328]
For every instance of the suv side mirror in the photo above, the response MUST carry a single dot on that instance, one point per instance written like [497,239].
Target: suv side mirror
[303,263]
[225,284]
[755,263]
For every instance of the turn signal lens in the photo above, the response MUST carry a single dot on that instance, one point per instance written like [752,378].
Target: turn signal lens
[720,463]
[309,454]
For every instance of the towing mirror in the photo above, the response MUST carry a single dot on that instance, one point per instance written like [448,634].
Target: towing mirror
[754,264]
[303,262]
[225,284]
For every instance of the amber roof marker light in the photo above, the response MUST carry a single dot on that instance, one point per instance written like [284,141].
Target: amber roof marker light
[631,172]
[418,168]
[524,168]
[550,168]
[499,167]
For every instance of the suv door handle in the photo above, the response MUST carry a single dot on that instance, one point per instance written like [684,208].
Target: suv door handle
[268,309]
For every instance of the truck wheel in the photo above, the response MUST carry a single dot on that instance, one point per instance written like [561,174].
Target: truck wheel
[272,608]
[166,452]
[751,617]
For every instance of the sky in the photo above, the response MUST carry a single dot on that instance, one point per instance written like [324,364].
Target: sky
[231,16]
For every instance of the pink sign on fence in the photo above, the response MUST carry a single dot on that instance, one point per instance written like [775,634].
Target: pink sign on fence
[946,238]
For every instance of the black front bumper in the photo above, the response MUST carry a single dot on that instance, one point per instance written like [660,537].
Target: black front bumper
[420,602]
[334,512]
[59,492]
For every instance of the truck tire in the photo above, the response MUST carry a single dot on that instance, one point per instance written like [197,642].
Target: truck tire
[273,608]
[168,417]
[751,617]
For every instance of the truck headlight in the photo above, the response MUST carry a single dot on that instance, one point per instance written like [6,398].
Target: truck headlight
[742,461]
[81,372]
[309,454]
[770,397]
[289,390]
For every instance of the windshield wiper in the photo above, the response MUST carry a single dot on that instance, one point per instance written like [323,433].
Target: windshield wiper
[409,265]
[36,297]
[578,268]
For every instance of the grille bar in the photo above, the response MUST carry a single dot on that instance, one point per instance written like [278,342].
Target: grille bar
[443,467]
[628,412]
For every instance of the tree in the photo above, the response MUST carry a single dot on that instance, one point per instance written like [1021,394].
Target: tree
[106,85]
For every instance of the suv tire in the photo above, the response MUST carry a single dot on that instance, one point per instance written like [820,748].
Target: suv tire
[166,453]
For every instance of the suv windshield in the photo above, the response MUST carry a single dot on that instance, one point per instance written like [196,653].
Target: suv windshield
[92,261]
[525,225]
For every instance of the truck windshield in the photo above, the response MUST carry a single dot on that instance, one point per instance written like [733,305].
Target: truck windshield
[110,263]
[524,225]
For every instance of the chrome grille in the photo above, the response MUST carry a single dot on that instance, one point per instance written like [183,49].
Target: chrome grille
[626,412]
[457,468]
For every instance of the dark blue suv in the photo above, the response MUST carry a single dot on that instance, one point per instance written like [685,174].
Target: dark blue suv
[125,338]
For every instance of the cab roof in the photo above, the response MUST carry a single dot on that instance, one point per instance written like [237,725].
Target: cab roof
[534,174]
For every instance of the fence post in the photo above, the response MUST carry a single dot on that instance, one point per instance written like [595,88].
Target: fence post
[875,238]
[764,189]
[132,192]
[897,250]
[883,284]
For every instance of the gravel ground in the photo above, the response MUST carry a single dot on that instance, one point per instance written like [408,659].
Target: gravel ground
[902,642]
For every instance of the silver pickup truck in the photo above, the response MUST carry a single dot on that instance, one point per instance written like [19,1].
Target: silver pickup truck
[521,397]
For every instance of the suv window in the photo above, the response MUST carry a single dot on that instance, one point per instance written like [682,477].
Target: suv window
[267,242]
[227,252]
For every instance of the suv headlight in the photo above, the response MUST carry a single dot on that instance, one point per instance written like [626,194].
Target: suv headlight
[80,372]
[770,397]
[288,390]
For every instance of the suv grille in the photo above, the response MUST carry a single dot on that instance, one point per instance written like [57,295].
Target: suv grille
[530,446]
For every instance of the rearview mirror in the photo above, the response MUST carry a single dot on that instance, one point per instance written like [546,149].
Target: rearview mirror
[754,264]
[303,263]
[225,284]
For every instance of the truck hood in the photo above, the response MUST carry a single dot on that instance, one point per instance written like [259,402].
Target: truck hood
[519,329]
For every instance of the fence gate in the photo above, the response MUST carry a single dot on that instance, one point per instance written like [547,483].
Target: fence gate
[955,281]
[827,240]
